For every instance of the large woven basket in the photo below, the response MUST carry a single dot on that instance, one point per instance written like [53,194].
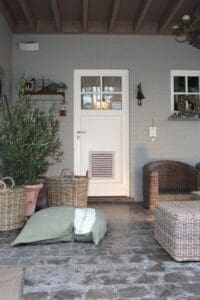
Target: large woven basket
[67,189]
[12,204]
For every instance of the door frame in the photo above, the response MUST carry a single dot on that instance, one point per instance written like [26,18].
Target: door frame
[125,118]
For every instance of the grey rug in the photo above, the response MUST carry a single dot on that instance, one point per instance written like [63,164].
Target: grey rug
[11,283]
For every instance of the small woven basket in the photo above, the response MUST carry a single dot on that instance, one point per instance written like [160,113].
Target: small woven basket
[12,204]
[67,189]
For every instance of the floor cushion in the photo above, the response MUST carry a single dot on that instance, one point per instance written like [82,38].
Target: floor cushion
[63,224]
[50,225]
[97,231]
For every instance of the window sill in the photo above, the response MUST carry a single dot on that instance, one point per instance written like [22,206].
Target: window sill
[176,117]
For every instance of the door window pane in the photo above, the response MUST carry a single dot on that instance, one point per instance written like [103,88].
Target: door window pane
[112,84]
[193,84]
[91,101]
[90,84]
[113,102]
[179,84]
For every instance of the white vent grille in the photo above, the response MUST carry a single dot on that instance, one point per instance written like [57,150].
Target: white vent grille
[101,164]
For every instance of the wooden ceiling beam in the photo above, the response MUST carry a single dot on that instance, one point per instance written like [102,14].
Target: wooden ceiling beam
[57,15]
[171,11]
[115,9]
[85,15]
[8,16]
[140,16]
[28,14]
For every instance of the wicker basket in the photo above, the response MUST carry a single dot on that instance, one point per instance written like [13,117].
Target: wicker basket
[12,204]
[67,189]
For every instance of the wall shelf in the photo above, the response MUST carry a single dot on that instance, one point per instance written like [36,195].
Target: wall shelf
[47,93]
[37,96]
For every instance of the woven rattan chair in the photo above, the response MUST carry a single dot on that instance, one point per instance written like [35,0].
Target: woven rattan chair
[166,180]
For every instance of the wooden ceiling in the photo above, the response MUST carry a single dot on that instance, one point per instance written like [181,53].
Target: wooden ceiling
[95,16]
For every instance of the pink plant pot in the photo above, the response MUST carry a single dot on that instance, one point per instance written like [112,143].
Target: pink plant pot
[32,192]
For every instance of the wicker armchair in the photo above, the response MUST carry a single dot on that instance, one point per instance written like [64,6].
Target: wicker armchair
[166,180]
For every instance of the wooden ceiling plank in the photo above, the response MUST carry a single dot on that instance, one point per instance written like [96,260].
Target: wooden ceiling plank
[8,16]
[140,16]
[85,15]
[115,9]
[28,14]
[57,15]
[171,11]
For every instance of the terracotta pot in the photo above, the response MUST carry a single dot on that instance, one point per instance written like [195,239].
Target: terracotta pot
[32,192]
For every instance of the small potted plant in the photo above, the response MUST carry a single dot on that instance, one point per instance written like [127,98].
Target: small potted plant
[61,87]
[29,144]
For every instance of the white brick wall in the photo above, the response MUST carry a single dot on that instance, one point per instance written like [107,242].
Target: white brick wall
[149,60]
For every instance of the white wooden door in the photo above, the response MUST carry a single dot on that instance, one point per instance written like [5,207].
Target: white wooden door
[101,130]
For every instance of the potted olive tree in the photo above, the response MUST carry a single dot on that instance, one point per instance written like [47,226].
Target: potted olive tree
[29,144]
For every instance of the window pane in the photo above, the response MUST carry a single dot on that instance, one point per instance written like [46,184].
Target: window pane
[91,101]
[193,84]
[113,102]
[189,105]
[112,84]
[176,98]
[196,97]
[179,84]
[90,84]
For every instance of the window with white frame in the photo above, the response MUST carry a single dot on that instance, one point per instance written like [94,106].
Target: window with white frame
[184,83]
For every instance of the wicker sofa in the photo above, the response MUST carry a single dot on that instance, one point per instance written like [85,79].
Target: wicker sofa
[168,180]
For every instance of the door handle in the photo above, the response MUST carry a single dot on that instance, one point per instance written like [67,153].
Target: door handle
[81,131]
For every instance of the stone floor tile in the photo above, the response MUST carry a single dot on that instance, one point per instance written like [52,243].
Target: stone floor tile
[36,296]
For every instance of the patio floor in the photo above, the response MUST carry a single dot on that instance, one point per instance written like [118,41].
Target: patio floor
[128,264]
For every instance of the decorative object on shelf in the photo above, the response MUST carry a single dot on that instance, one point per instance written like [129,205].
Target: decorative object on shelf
[29,46]
[52,88]
[30,85]
[61,87]
[152,131]
[188,105]
[140,95]
[45,85]
[188,30]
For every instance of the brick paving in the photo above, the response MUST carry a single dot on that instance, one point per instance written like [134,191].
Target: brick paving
[128,264]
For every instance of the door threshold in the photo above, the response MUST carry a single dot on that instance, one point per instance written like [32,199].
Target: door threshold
[110,199]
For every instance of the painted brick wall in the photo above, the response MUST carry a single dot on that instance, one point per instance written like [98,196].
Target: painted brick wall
[6,53]
[149,60]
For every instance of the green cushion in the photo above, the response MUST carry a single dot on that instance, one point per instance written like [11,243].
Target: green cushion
[50,225]
[98,230]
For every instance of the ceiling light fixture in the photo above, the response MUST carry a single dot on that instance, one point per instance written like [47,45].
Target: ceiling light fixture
[188,30]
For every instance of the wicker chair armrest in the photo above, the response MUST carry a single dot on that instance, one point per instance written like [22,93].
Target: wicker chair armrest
[150,189]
